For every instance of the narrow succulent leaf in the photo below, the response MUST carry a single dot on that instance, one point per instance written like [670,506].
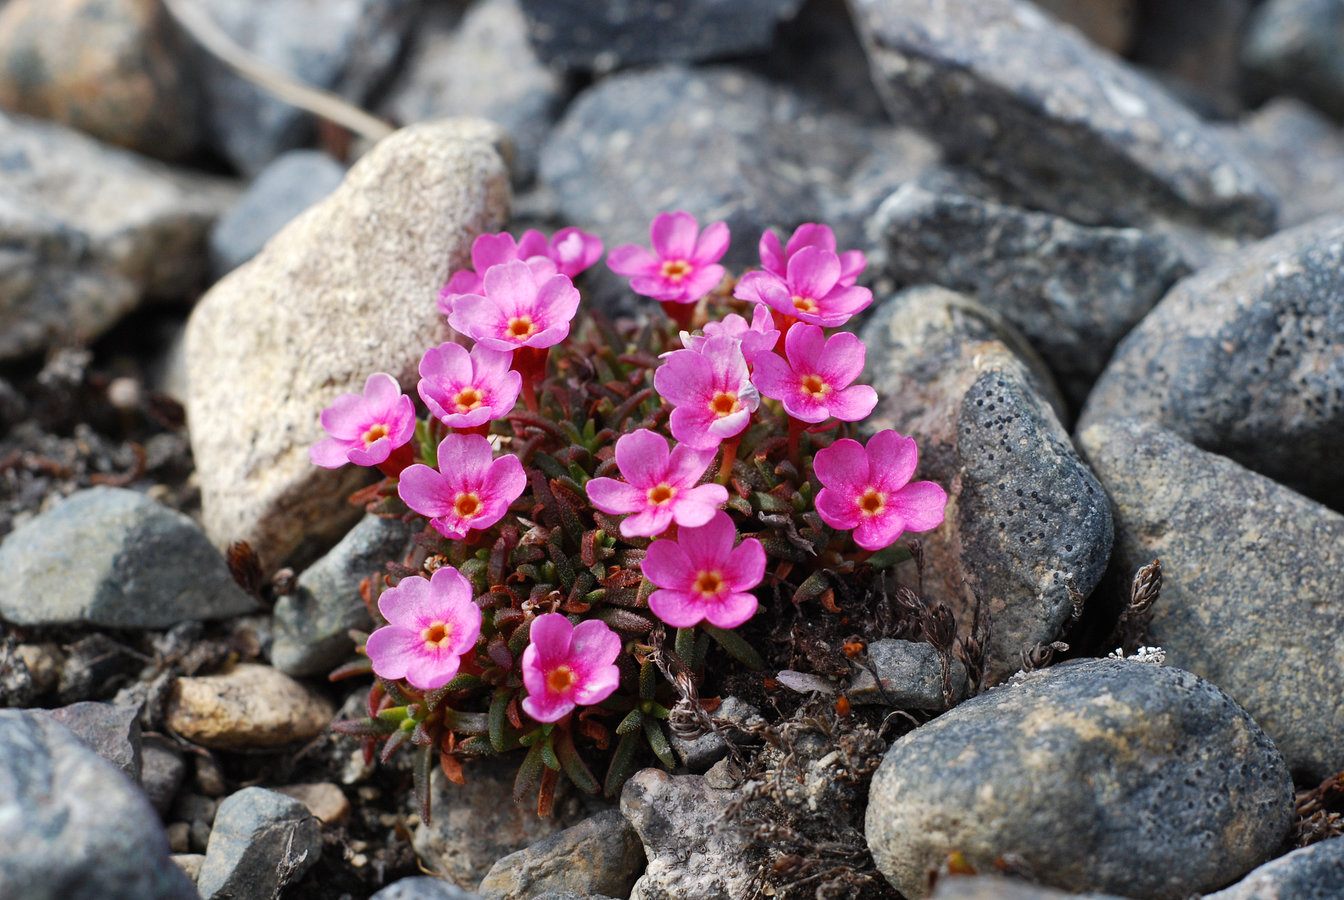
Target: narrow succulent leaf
[548,755]
[622,764]
[653,733]
[498,718]
[736,646]
[528,774]
[424,763]
[631,722]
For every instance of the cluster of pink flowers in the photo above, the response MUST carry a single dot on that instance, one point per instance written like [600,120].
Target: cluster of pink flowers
[516,302]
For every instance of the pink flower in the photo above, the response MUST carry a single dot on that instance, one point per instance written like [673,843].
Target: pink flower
[775,259]
[811,291]
[570,249]
[760,336]
[683,266]
[867,489]
[487,251]
[659,487]
[815,383]
[520,307]
[703,576]
[468,389]
[710,390]
[365,430]
[469,491]
[567,665]
[431,623]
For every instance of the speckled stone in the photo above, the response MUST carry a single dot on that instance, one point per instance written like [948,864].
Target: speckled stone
[264,358]
[1310,873]
[261,841]
[1081,770]
[1242,359]
[689,854]
[1073,290]
[312,625]
[141,565]
[580,34]
[250,706]
[1294,47]
[1302,154]
[1071,129]
[1025,517]
[600,855]
[994,887]
[114,69]
[113,732]
[73,827]
[1253,576]
[424,887]
[904,675]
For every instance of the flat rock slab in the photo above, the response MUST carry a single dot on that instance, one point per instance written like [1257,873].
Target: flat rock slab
[90,230]
[1253,581]
[345,290]
[72,826]
[581,35]
[1071,129]
[1027,525]
[1082,771]
[141,565]
[1243,359]
[1073,290]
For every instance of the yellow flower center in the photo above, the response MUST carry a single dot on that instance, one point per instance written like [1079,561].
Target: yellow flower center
[804,304]
[709,584]
[560,679]
[437,635]
[724,404]
[816,386]
[676,269]
[468,399]
[872,502]
[377,431]
[467,505]
[662,494]
[521,327]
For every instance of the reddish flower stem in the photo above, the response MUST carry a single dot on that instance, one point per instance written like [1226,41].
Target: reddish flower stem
[795,443]
[729,457]
[399,459]
[530,362]
[681,313]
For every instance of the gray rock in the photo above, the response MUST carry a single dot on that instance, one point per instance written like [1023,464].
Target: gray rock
[261,841]
[96,668]
[1073,290]
[994,887]
[289,185]
[372,257]
[486,67]
[700,753]
[908,676]
[581,35]
[141,565]
[720,143]
[1069,129]
[1242,359]
[1194,47]
[1301,152]
[1311,873]
[71,826]
[1252,573]
[89,231]
[690,852]
[1080,770]
[113,732]
[423,887]
[1297,47]
[600,855]
[1026,521]
[162,771]
[1107,23]
[344,46]
[312,624]
[111,68]
[474,825]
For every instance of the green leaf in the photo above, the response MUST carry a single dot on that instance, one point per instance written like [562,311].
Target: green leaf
[631,722]
[622,764]
[424,761]
[463,681]
[366,727]
[548,755]
[653,732]
[574,766]
[817,583]
[685,646]
[529,773]
[466,722]
[499,718]
[736,646]
[890,556]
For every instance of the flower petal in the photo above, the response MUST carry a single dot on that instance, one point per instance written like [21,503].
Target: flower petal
[381,391]
[837,508]
[922,504]
[745,566]
[853,404]
[673,235]
[329,453]
[805,344]
[667,566]
[598,685]
[505,480]
[593,647]
[843,466]
[464,459]
[643,458]
[813,272]
[392,650]
[697,506]
[631,260]
[880,531]
[708,546]
[615,497]
[426,491]
[680,609]
[551,635]
[842,358]
[896,458]
[711,245]
[433,669]
[732,610]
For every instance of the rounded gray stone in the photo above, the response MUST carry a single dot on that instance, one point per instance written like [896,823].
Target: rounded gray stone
[1100,775]
[423,887]
[1242,359]
[1026,520]
[1253,576]
[1069,128]
[110,556]
[601,855]
[905,675]
[261,840]
[1297,47]
[1315,872]
[72,827]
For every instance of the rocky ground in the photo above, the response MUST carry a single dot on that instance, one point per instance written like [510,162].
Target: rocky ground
[1107,240]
